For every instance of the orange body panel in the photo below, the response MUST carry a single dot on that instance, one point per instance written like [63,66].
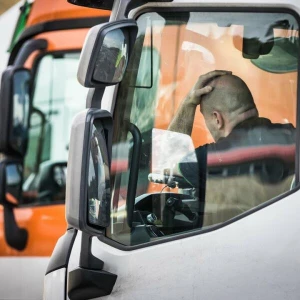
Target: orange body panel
[64,39]
[45,224]
[49,10]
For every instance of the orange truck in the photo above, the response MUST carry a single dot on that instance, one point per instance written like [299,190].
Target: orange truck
[48,40]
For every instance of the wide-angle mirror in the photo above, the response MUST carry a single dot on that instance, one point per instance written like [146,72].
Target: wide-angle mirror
[112,58]
[98,179]
[88,188]
[15,110]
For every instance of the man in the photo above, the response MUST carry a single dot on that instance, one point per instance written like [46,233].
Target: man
[225,102]
[241,169]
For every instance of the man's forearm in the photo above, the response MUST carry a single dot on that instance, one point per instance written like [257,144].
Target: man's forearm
[184,119]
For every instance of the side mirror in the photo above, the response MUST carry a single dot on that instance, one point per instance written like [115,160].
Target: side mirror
[106,52]
[15,110]
[49,182]
[88,197]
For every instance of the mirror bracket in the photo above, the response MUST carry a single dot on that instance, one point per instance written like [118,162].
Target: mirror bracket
[94,98]
[89,280]
[87,260]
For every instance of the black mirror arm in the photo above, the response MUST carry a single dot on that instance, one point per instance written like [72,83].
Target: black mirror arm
[94,97]
[89,280]
[15,236]
[134,170]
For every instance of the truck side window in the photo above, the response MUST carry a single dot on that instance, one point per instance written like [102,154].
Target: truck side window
[241,152]
[57,98]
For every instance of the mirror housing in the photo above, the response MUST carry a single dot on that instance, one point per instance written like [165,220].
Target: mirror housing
[15,106]
[11,180]
[106,52]
[88,188]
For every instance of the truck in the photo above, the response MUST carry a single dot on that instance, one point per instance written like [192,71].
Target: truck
[228,230]
[41,75]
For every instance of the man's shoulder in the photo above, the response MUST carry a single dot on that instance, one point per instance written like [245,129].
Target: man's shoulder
[282,133]
[255,134]
[281,125]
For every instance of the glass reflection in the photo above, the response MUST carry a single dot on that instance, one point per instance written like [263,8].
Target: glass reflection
[14,182]
[112,58]
[21,107]
[98,181]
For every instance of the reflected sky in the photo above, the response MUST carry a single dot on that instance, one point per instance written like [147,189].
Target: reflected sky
[7,21]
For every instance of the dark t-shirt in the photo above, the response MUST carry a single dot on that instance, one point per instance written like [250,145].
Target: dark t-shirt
[255,139]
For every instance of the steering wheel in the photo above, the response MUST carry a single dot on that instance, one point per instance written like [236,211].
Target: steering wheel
[174,205]
[171,181]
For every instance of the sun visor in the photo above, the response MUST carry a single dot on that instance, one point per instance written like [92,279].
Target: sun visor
[283,57]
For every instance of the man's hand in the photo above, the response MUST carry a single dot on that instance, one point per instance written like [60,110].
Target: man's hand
[184,118]
[200,88]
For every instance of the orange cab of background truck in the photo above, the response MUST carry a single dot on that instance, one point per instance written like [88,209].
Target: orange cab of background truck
[49,46]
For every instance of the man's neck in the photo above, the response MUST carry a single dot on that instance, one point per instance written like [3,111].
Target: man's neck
[241,118]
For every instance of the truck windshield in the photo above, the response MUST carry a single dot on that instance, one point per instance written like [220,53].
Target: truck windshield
[240,153]
[57,98]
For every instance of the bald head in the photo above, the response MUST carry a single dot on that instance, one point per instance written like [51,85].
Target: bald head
[230,96]
[229,103]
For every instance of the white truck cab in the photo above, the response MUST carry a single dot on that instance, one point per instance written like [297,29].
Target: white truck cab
[226,225]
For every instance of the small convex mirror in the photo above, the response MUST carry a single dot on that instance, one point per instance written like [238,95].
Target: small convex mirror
[11,182]
[15,110]
[106,52]
[112,58]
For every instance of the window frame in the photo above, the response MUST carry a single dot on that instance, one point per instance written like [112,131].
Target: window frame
[242,9]
[35,68]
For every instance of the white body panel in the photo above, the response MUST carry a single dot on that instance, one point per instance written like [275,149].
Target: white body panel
[22,278]
[7,21]
[55,285]
[256,257]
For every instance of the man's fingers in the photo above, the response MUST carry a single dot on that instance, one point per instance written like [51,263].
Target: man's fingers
[203,91]
[215,73]
[210,75]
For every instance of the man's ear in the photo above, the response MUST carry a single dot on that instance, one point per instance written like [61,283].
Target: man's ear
[218,119]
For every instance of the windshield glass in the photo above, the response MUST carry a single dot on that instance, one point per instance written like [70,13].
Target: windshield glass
[57,98]
[203,160]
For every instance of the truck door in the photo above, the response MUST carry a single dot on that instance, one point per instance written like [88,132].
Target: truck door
[226,227]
